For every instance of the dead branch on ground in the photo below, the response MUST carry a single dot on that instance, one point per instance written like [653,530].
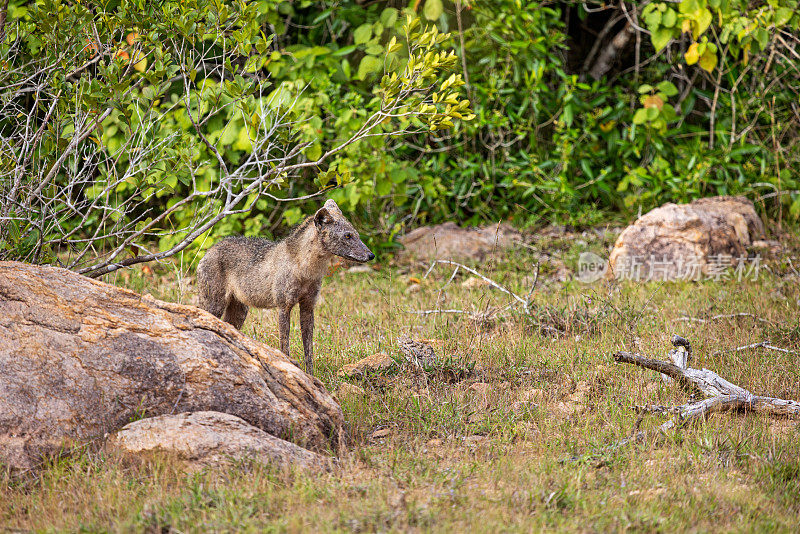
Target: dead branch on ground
[722,395]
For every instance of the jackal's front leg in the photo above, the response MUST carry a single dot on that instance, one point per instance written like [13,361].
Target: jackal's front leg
[284,315]
[307,330]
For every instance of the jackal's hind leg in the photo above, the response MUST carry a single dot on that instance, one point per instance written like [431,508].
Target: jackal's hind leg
[307,330]
[235,313]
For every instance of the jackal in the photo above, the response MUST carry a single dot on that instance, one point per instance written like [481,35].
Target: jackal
[239,272]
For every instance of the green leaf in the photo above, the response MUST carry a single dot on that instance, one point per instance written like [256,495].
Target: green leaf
[322,16]
[384,186]
[762,36]
[313,152]
[368,65]
[388,17]
[640,117]
[688,6]
[669,18]
[362,34]
[702,19]
[397,175]
[783,15]
[668,88]
[661,38]
[229,134]
[653,19]
[567,115]
[794,209]
[292,216]
[668,112]
[343,51]
[433,9]
[645,88]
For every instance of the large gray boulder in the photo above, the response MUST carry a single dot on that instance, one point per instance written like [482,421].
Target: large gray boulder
[80,358]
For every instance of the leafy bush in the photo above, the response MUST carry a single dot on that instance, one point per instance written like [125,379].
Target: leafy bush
[699,97]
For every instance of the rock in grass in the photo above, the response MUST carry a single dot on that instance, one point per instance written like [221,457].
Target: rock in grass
[212,439]
[346,389]
[686,241]
[80,358]
[449,241]
[381,433]
[377,363]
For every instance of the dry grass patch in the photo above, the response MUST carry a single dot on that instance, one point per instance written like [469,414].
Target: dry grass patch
[488,449]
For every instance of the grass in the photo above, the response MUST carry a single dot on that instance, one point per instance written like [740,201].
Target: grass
[488,448]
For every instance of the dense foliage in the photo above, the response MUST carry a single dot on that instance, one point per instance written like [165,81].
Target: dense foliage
[583,110]
[131,131]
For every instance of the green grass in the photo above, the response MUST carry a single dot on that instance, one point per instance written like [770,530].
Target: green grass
[481,459]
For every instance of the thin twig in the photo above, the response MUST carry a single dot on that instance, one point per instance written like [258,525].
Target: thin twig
[688,319]
[762,344]
[479,275]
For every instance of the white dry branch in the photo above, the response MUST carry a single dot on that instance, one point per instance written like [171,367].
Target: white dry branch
[688,319]
[526,302]
[721,395]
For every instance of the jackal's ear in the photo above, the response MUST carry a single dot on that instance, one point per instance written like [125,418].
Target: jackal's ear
[331,206]
[322,217]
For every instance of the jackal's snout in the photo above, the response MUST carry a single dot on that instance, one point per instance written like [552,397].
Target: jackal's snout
[338,236]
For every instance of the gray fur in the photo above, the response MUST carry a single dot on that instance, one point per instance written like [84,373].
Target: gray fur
[241,272]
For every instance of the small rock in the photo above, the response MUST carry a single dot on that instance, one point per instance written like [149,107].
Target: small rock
[581,393]
[528,431]
[474,282]
[482,391]
[766,246]
[482,388]
[376,363]
[360,268]
[530,395]
[211,439]
[521,407]
[346,389]
[567,409]
[380,433]
[419,352]
[777,295]
[413,288]
[476,417]
[474,440]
